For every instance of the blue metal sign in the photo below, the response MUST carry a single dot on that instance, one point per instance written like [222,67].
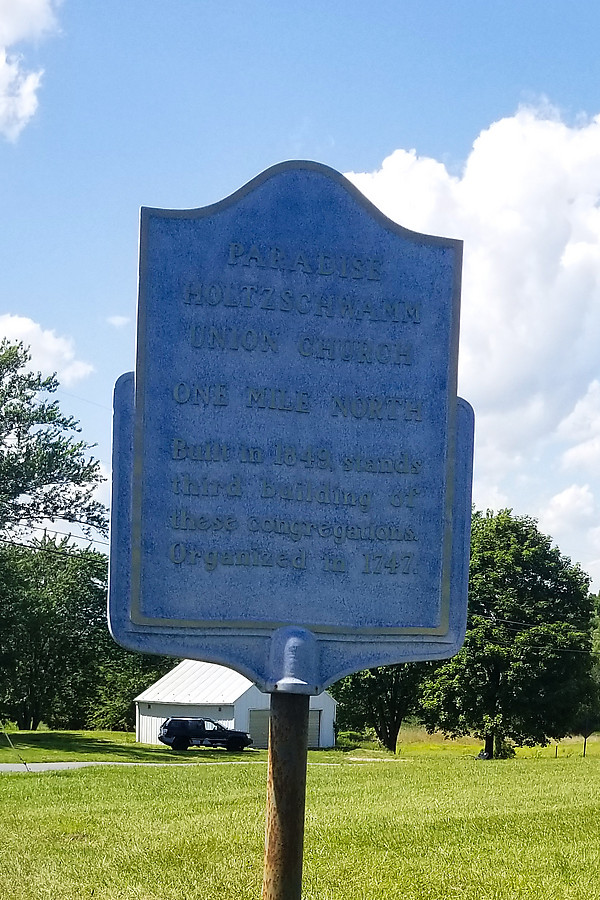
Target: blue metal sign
[291,464]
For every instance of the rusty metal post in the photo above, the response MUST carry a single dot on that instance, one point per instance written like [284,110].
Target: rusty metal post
[286,795]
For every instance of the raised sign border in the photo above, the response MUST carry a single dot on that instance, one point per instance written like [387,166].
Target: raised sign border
[243,645]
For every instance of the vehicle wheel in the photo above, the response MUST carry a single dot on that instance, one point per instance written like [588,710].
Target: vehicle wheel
[234,746]
[180,744]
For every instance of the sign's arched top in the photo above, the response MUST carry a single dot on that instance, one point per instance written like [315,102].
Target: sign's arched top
[292,470]
[295,167]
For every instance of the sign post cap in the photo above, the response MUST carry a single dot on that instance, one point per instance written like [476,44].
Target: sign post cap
[293,661]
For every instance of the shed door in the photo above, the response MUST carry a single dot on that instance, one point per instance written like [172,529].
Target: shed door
[259,727]
[314,724]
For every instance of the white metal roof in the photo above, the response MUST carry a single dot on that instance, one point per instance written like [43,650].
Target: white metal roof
[197,683]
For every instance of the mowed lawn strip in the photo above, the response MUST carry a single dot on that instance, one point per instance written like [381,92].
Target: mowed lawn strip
[434,828]
[106,746]
[86,746]
[459,828]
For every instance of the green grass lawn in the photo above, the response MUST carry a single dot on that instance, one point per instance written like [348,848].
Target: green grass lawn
[107,746]
[414,741]
[435,826]
[90,746]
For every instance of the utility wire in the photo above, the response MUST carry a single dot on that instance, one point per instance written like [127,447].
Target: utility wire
[504,621]
[62,553]
[83,399]
[529,628]
[57,518]
[76,537]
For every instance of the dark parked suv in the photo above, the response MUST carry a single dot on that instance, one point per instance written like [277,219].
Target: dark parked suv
[179,734]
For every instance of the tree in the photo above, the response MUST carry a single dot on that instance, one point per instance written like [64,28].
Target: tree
[58,662]
[122,675]
[525,664]
[52,629]
[587,716]
[379,698]
[596,630]
[44,472]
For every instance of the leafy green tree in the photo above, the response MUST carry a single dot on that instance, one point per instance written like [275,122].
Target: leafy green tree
[525,665]
[52,631]
[122,675]
[587,716]
[596,629]
[58,662]
[44,469]
[379,698]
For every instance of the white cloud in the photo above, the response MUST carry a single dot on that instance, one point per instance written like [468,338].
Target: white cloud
[584,456]
[26,20]
[18,96]
[21,20]
[594,535]
[575,512]
[569,509]
[581,429]
[49,352]
[584,420]
[527,205]
[118,321]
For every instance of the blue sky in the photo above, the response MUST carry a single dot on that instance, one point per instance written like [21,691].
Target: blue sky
[474,120]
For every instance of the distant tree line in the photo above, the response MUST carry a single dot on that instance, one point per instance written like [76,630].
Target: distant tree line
[58,663]
[528,672]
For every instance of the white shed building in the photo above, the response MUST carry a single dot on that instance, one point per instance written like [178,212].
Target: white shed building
[204,689]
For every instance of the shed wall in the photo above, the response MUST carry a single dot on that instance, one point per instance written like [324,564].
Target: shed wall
[150,716]
[254,699]
[259,728]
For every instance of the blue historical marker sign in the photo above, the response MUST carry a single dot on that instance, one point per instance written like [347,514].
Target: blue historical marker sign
[292,466]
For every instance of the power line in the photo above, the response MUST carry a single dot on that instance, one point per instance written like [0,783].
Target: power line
[530,627]
[511,622]
[83,399]
[77,537]
[63,553]
[25,524]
